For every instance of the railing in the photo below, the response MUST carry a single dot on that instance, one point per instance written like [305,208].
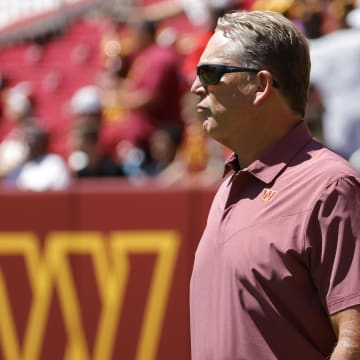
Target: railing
[26,19]
[12,11]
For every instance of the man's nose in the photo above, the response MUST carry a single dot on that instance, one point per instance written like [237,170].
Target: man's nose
[197,88]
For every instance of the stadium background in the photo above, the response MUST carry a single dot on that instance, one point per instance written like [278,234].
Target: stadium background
[100,270]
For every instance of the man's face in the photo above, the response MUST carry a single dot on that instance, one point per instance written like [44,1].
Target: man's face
[226,108]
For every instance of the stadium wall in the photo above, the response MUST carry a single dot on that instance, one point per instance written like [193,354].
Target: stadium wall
[100,271]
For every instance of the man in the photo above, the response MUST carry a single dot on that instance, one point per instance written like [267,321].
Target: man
[277,271]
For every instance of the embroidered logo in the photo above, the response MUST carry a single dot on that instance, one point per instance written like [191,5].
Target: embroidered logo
[268,195]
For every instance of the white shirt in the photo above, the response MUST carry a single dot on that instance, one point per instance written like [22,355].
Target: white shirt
[335,70]
[46,173]
[198,11]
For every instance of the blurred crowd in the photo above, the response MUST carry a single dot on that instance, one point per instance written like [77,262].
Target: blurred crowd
[138,120]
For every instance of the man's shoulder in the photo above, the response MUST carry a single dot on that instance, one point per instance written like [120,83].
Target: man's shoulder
[325,164]
[314,174]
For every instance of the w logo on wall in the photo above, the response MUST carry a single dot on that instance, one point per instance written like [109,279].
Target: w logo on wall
[55,270]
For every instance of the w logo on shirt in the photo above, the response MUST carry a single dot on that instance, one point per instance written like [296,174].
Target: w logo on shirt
[268,195]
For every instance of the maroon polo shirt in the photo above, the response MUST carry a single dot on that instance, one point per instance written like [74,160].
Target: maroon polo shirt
[280,253]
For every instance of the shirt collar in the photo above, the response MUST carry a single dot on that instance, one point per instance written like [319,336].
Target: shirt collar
[276,158]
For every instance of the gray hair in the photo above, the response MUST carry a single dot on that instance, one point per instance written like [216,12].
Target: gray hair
[269,41]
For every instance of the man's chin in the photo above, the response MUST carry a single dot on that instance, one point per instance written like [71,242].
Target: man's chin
[208,126]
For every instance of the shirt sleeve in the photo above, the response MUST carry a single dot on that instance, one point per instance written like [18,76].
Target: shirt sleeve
[333,237]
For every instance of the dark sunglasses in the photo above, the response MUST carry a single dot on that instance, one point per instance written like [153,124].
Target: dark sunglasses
[210,74]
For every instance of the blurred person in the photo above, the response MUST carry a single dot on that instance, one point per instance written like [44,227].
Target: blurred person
[18,114]
[335,76]
[99,148]
[195,162]
[314,113]
[164,144]
[116,51]
[40,170]
[202,14]
[86,106]
[280,6]
[199,13]
[87,111]
[110,85]
[152,91]
[291,9]
[116,47]
[334,15]
[86,159]
[276,273]
[133,159]
[354,160]
[4,83]
[201,38]
[192,159]
[312,18]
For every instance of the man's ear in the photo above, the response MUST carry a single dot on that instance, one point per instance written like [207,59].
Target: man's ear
[264,83]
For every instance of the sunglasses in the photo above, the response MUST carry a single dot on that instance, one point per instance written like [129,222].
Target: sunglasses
[210,74]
